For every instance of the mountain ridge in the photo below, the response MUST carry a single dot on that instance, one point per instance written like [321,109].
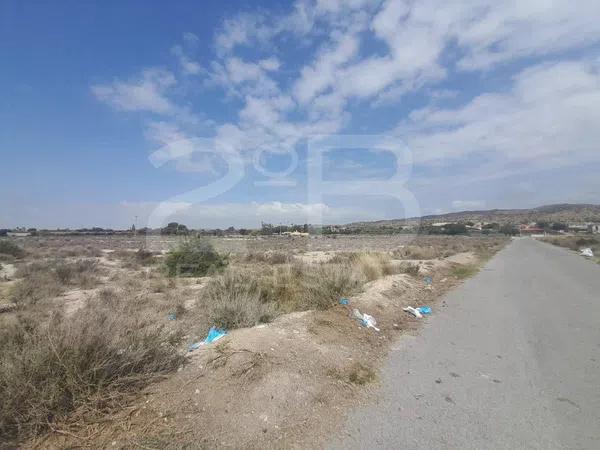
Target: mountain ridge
[560,212]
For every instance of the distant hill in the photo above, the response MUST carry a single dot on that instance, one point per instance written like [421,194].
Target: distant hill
[565,213]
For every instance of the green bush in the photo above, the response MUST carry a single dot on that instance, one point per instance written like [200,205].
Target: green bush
[194,257]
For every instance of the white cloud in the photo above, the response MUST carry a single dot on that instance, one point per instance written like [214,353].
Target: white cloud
[188,66]
[468,204]
[323,73]
[370,53]
[190,39]
[547,119]
[144,93]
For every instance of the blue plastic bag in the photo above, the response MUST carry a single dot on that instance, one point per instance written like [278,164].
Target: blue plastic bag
[214,334]
[424,309]
[344,301]
[427,281]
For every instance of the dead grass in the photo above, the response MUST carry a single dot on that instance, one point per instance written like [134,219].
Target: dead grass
[86,362]
[361,374]
[246,297]
[462,271]
[268,257]
[10,249]
[410,269]
[44,280]
[575,243]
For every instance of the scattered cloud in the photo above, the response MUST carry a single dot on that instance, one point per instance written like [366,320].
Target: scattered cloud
[147,92]
[188,66]
[462,205]
[545,120]
[465,122]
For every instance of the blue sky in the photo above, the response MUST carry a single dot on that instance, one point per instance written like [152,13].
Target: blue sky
[210,112]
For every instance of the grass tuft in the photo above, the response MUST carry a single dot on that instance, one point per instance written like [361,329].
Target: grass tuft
[49,369]
[463,271]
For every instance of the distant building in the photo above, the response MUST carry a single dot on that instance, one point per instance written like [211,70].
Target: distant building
[294,233]
[594,228]
[18,233]
[578,227]
[531,230]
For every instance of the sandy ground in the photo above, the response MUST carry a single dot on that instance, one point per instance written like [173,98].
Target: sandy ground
[286,384]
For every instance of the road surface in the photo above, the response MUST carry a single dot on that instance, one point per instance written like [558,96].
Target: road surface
[513,361]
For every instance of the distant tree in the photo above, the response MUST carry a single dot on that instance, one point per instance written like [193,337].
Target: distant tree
[491,226]
[558,226]
[455,228]
[509,230]
[174,228]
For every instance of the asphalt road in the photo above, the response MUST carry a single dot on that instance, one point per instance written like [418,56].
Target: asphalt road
[513,361]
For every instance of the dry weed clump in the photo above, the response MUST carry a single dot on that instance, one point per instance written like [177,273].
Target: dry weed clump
[9,249]
[463,271]
[410,269]
[416,252]
[575,242]
[43,280]
[236,300]
[268,257]
[85,362]
[242,298]
[78,251]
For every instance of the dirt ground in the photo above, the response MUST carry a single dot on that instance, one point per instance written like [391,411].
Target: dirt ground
[285,384]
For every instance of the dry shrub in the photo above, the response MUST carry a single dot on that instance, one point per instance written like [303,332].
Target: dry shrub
[80,273]
[36,287]
[11,249]
[410,269]
[464,270]
[74,251]
[416,252]
[241,298]
[49,369]
[373,265]
[235,300]
[268,257]
[43,280]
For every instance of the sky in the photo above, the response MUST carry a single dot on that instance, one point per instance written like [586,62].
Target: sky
[235,113]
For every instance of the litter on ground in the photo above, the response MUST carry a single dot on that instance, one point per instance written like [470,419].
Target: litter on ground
[587,252]
[172,316]
[414,311]
[344,301]
[365,319]
[424,309]
[214,334]
[428,280]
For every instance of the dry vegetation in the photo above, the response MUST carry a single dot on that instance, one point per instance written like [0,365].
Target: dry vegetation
[98,319]
[577,243]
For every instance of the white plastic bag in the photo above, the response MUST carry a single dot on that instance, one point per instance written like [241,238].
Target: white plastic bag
[414,311]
